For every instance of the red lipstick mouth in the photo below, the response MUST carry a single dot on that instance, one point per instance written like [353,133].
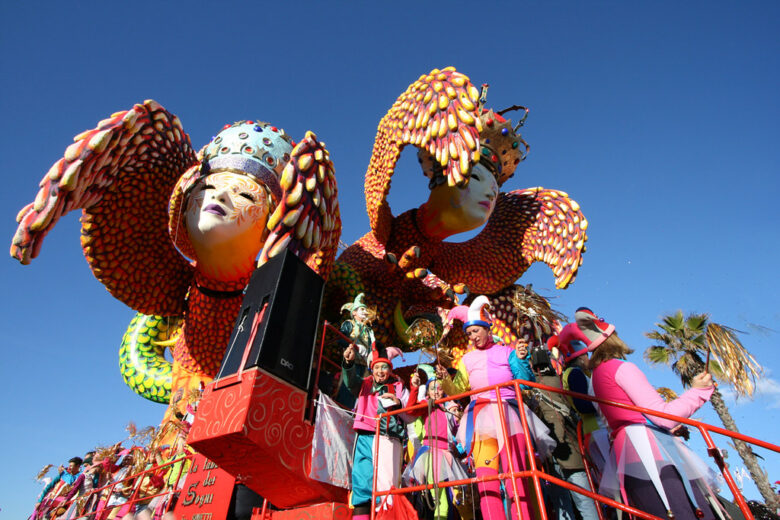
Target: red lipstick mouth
[216,209]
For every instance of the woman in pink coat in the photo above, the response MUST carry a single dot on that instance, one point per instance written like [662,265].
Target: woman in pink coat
[651,469]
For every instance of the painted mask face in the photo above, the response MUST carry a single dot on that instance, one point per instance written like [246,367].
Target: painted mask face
[381,372]
[225,206]
[435,391]
[361,315]
[467,208]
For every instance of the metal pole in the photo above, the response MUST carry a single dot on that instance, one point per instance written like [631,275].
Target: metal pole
[531,455]
[714,452]
[505,434]
[585,463]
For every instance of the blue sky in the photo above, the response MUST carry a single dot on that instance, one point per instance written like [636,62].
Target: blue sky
[660,119]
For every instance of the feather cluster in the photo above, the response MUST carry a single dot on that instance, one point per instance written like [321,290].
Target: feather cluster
[738,367]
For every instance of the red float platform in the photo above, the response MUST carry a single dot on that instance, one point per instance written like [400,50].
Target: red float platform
[327,511]
[252,425]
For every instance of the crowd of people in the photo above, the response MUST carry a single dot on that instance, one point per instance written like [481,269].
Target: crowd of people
[140,482]
[634,458]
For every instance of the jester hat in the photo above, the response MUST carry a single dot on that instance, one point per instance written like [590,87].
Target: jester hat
[355,305]
[380,354]
[252,148]
[474,314]
[588,329]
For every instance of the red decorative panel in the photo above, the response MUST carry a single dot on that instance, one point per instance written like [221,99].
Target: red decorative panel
[327,511]
[254,429]
[206,493]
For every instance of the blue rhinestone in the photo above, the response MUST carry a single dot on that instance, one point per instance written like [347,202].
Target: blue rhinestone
[258,128]
[487,140]
[504,131]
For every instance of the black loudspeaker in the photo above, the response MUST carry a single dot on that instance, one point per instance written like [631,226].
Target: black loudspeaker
[277,325]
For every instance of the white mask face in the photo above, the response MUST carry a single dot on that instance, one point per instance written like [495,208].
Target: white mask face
[225,206]
[465,208]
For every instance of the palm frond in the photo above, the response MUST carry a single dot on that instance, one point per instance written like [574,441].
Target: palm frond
[535,309]
[688,366]
[144,436]
[738,367]
[716,370]
[44,470]
[667,393]
[658,355]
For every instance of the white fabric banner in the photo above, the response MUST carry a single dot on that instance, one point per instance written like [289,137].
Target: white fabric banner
[331,447]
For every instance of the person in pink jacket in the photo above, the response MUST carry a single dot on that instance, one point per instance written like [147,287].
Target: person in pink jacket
[380,392]
[651,469]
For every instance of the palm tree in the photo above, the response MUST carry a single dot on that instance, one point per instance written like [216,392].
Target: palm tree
[688,344]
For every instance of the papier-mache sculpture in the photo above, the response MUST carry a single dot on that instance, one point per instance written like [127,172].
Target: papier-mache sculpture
[467,151]
[174,233]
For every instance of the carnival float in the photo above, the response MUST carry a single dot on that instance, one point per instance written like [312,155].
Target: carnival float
[180,235]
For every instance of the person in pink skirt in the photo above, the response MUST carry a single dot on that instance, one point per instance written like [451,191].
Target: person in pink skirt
[650,468]
[491,363]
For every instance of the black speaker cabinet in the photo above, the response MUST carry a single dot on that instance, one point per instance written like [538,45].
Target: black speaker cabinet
[277,325]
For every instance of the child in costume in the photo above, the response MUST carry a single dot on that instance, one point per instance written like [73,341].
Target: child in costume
[652,469]
[358,328]
[435,461]
[490,364]
[380,392]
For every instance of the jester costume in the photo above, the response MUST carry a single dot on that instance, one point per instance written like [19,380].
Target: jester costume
[480,429]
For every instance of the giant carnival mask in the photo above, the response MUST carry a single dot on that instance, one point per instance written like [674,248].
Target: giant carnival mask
[467,152]
[172,233]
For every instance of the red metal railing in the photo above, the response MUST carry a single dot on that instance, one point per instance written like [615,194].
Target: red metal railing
[533,472]
[538,475]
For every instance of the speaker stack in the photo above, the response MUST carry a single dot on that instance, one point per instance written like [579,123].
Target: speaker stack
[251,418]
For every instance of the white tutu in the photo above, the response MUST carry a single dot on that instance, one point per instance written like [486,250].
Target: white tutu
[645,451]
[433,464]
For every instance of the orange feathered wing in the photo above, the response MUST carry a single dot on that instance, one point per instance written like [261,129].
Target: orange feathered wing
[307,220]
[531,225]
[439,113]
[121,174]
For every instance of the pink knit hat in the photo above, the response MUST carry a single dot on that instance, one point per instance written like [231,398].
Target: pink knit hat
[588,329]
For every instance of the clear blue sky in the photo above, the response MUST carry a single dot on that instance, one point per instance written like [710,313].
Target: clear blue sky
[659,118]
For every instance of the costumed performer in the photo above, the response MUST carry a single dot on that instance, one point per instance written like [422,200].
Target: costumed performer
[358,327]
[558,412]
[436,460]
[651,468]
[52,495]
[490,364]
[382,391]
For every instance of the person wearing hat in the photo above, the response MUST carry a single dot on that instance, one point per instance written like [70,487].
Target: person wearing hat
[651,468]
[378,393]
[557,411]
[358,327]
[490,364]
